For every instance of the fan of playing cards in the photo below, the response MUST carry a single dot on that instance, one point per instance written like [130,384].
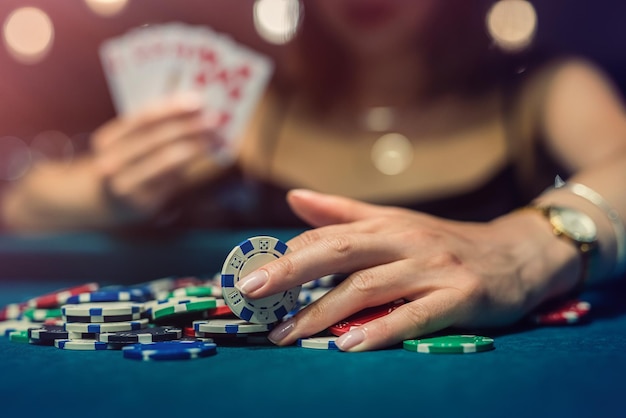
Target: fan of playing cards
[153,62]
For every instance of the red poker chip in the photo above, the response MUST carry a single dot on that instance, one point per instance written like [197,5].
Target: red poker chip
[364,316]
[570,312]
[220,312]
[189,332]
[12,311]
[187,281]
[58,298]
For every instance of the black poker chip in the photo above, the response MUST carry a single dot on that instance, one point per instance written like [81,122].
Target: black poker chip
[143,336]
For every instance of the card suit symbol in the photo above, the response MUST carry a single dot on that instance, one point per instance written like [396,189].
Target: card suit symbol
[224,118]
[235,93]
[208,55]
[201,78]
[222,76]
[244,71]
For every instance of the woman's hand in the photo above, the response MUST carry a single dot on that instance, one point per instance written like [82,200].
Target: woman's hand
[449,273]
[141,159]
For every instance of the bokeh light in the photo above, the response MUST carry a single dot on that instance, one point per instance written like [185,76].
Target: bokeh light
[379,119]
[15,158]
[512,24]
[52,146]
[28,34]
[277,21]
[106,7]
[392,154]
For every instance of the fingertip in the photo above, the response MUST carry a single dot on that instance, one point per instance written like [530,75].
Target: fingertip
[352,340]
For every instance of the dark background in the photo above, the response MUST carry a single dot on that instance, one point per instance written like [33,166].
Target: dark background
[67,90]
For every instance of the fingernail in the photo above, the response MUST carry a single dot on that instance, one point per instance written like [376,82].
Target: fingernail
[350,339]
[281,331]
[303,192]
[252,282]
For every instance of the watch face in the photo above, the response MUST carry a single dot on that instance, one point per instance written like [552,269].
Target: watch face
[573,223]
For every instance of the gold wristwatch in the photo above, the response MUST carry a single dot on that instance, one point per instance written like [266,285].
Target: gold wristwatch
[578,228]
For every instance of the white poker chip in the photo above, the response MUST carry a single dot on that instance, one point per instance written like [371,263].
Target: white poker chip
[99,328]
[102,309]
[319,343]
[244,259]
[81,345]
[16,325]
[229,326]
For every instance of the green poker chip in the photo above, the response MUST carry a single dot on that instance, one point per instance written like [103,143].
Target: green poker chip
[176,307]
[450,344]
[197,291]
[40,315]
[19,336]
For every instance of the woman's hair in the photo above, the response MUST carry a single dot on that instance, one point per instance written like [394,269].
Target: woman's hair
[461,55]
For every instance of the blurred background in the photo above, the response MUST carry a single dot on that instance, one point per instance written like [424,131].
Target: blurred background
[53,91]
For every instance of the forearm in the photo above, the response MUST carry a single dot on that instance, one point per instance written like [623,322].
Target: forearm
[51,198]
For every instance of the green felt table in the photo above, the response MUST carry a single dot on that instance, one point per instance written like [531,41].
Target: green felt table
[575,371]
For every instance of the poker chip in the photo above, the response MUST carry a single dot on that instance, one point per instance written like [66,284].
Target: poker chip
[363,317]
[143,336]
[7,327]
[58,298]
[54,321]
[81,345]
[198,291]
[308,296]
[102,309]
[197,339]
[132,295]
[318,343]
[40,315]
[81,335]
[12,311]
[328,281]
[230,326]
[18,336]
[170,350]
[99,319]
[106,326]
[152,287]
[236,339]
[246,257]
[220,312]
[569,312]
[450,344]
[48,333]
[192,304]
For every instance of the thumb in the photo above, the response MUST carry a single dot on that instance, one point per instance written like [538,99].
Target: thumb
[318,209]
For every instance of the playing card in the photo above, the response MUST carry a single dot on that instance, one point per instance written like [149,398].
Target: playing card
[157,61]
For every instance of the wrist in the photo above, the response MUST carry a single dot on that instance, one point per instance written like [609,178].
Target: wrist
[548,266]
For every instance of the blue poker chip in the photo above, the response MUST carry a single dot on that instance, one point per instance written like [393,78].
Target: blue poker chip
[131,295]
[319,343]
[230,326]
[245,258]
[99,328]
[101,318]
[103,309]
[81,345]
[170,350]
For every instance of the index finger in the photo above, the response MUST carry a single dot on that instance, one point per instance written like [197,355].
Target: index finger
[330,254]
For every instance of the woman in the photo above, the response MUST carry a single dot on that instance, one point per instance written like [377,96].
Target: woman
[470,141]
